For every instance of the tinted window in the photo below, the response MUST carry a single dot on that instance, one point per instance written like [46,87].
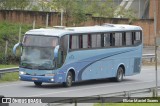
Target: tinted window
[40,41]
[128,38]
[85,41]
[118,39]
[75,42]
[96,40]
[107,40]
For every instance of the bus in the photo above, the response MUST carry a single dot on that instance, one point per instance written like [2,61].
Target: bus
[71,54]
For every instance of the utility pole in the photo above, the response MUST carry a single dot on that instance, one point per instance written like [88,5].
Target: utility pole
[6,49]
[47,17]
[155,37]
[61,17]
[20,31]
[34,22]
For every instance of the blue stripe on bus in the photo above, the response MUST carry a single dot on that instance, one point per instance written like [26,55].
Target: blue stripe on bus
[81,65]
[109,55]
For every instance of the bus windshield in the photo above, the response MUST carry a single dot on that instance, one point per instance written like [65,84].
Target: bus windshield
[38,52]
[40,41]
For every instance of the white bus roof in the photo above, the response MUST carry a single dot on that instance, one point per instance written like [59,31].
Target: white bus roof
[86,29]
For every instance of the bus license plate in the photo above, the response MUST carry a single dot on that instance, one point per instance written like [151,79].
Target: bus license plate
[35,79]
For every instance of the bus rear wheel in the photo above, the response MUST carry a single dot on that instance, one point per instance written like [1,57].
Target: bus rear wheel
[69,80]
[38,83]
[119,76]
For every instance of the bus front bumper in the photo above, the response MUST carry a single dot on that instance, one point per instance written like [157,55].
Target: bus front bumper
[48,79]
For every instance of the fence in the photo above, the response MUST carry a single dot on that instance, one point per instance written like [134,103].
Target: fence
[110,98]
[9,70]
[150,57]
[54,19]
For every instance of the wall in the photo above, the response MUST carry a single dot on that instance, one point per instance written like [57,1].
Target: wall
[151,13]
[54,20]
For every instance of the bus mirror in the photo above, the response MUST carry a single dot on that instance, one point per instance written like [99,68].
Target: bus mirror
[56,52]
[15,47]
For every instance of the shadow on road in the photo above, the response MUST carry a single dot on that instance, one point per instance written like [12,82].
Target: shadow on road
[94,82]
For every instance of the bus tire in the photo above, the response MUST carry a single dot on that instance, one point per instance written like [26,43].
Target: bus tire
[69,80]
[120,74]
[38,83]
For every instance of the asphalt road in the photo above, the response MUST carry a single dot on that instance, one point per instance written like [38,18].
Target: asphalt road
[145,79]
[27,89]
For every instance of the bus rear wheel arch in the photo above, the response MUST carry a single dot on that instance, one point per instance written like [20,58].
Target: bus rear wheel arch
[69,78]
[120,73]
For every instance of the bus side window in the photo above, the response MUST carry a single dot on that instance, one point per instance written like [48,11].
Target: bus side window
[102,40]
[85,41]
[128,39]
[112,39]
[89,41]
[133,38]
[63,49]
[136,38]
[107,42]
[123,38]
[118,39]
[75,42]
[96,40]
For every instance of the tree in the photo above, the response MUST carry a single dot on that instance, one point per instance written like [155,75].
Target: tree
[101,8]
[21,4]
[121,12]
[72,9]
[44,5]
[14,4]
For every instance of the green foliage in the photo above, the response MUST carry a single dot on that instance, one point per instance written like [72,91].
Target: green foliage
[10,32]
[14,4]
[73,10]
[101,8]
[43,5]
[123,13]
[9,77]
[35,8]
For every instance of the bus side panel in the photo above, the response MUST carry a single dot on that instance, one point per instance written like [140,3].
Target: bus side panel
[100,69]
[104,63]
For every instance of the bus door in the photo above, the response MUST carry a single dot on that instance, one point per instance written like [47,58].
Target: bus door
[62,53]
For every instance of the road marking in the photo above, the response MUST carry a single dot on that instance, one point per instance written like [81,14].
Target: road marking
[87,88]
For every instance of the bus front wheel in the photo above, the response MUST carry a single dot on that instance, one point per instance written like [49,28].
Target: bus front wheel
[38,83]
[69,80]
[120,73]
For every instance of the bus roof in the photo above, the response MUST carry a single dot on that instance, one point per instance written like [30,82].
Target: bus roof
[87,29]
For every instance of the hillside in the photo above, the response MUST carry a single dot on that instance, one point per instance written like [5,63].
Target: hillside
[10,32]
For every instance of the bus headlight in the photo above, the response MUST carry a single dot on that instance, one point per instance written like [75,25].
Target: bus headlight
[22,72]
[52,79]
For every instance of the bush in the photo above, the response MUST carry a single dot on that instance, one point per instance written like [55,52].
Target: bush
[10,32]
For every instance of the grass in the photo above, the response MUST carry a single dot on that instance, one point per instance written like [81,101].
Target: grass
[128,104]
[9,77]
[7,66]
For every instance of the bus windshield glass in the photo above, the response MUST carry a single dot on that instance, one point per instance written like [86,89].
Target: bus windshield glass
[40,41]
[38,52]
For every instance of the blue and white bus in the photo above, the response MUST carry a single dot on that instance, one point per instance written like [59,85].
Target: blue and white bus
[70,54]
